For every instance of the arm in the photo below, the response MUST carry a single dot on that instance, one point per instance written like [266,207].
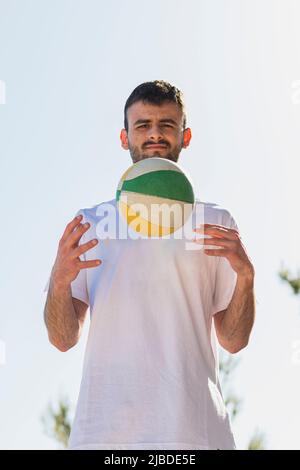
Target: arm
[233,325]
[64,315]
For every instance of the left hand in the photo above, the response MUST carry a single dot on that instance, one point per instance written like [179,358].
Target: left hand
[231,245]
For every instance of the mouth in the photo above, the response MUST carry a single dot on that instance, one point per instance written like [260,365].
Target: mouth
[153,146]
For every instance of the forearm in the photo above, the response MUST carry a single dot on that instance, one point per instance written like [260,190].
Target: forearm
[237,322]
[60,317]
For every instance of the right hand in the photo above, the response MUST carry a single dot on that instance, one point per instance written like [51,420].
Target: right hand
[67,263]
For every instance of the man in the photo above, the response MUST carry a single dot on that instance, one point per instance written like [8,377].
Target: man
[150,378]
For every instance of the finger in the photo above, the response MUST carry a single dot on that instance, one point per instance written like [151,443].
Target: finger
[70,227]
[83,248]
[215,241]
[75,236]
[89,264]
[218,231]
[221,252]
[218,226]
[205,227]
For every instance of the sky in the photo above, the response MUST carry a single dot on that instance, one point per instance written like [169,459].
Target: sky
[66,70]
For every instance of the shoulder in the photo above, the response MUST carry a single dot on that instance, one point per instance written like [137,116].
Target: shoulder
[214,213]
[93,213]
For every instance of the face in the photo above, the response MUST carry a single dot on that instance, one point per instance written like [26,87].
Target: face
[154,131]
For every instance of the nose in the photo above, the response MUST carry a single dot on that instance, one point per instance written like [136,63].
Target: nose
[155,133]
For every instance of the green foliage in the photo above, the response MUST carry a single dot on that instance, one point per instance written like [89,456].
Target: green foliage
[57,422]
[294,282]
[257,442]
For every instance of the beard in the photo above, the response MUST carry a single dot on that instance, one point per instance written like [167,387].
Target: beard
[137,154]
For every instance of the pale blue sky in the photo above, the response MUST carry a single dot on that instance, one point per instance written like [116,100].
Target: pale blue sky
[68,67]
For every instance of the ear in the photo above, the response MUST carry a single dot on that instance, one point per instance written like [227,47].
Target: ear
[124,139]
[187,135]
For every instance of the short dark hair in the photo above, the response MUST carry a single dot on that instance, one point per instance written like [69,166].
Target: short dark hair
[156,92]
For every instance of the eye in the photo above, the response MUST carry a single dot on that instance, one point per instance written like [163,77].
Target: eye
[167,125]
[142,125]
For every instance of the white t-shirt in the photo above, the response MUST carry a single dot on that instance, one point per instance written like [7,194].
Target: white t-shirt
[150,375]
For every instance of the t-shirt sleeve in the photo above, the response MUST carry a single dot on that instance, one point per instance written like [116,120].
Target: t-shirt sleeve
[79,285]
[225,279]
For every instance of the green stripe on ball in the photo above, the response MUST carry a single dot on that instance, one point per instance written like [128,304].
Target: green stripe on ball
[166,184]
